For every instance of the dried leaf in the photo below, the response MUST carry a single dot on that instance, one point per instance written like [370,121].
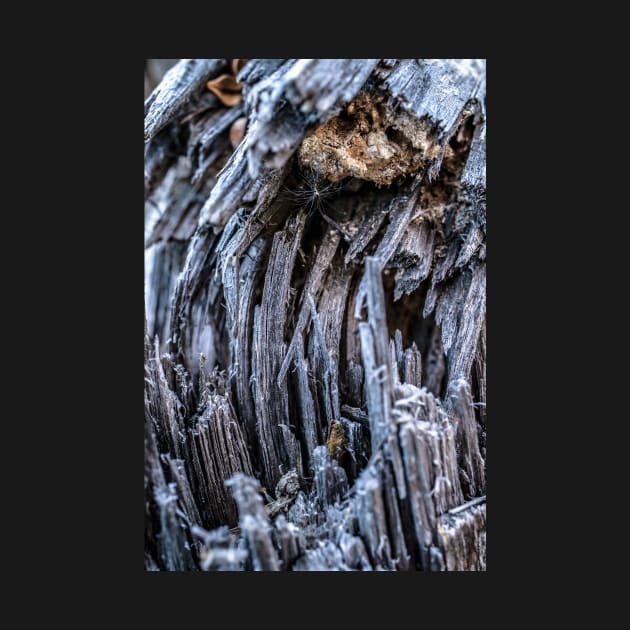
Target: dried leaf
[226,89]
[238,65]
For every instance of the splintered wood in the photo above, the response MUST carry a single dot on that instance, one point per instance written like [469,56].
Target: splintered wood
[315,353]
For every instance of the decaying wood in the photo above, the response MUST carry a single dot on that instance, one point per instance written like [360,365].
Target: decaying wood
[315,368]
[178,87]
[279,449]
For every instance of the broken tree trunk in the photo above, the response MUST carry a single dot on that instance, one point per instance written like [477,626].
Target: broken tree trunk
[315,383]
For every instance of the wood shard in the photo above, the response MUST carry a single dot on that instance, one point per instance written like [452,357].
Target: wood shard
[179,85]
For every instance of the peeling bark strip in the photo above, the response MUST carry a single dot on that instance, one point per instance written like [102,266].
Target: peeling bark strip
[315,339]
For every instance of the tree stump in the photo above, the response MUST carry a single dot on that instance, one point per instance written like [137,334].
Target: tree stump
[315,365]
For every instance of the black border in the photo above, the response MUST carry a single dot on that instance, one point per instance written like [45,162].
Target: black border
[107,533]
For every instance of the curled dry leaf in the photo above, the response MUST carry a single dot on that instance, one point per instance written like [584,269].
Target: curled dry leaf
[237,131]
[238,65]
[226,89]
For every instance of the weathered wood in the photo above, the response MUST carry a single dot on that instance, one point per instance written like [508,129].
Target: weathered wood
[312,288]
[239,283]
[311,428]
[400,213]
[280,447]
[414,257]
[166,543]
[254,523]
[179,85]
[315,344]
[437,92]
[470,461]
[298,96]
[463,539]
[222,452]
[170,544]
[326,337]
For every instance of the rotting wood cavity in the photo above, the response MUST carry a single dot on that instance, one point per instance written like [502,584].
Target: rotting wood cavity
[365,142]
[374,140]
